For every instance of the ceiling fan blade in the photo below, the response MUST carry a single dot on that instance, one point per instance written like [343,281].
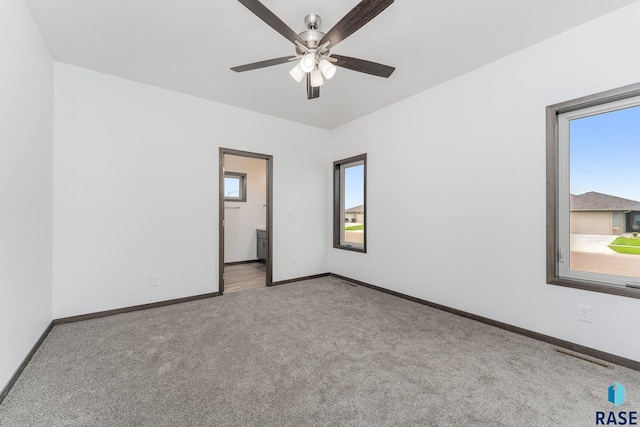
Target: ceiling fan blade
[363,66]
[262,64]
[271,19]
[312,92]
[364,12]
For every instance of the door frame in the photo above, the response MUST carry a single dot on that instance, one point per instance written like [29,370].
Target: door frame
[269,159]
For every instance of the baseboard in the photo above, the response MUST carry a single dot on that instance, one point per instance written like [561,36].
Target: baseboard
[251,261]
[608,357]
[106,313]
[25,362]
[300,279]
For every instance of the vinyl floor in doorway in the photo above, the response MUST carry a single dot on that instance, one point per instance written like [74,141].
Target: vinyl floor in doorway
[242,277]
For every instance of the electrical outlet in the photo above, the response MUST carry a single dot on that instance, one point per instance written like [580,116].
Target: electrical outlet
[584,313]
[360,264]
[155,280]
[296,262]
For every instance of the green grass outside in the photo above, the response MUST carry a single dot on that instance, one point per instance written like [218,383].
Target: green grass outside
[626,241]
[626,245]
[360,227]
[633,250]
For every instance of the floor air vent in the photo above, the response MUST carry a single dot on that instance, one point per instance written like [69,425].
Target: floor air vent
[586,359]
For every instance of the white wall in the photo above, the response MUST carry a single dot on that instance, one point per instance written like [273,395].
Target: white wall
[136,191]
[26,92]
[242,218]
[135,188]
[468,157]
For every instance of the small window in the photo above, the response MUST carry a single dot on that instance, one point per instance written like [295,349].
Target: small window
[235,187]
[593,199]
[350,203]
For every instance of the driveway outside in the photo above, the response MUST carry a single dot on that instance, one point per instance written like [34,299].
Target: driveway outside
[353,236]
[597,243]
[590,252]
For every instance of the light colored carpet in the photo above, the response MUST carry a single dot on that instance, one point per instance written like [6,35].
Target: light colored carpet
[319,352]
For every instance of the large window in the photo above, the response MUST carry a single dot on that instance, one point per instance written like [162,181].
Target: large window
[593,195]
[235,187]
[349,203]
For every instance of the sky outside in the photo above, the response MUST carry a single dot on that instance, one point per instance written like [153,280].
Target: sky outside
[231,187]
[353,186]
[605,153]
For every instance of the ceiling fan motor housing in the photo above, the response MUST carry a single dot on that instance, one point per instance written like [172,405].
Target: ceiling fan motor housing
[312,36]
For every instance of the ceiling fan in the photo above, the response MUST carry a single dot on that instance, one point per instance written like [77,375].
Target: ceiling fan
[313,54]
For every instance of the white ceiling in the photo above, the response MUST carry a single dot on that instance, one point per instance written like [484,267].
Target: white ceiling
[189,45]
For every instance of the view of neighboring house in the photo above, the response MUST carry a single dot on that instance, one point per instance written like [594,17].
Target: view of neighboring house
[598,213]
[354,214]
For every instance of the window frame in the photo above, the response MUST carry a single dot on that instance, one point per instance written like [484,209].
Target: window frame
[558,209]
[242,197]
[338,202]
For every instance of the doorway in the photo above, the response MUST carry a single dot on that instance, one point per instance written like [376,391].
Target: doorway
[245,220]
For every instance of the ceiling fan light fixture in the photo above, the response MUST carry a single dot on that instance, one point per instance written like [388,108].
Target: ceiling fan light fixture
[297,73]
[315,61]
[327,68]
[308,62]
[316,78]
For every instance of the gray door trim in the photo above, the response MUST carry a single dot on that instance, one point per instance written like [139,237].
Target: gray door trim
[269,264]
